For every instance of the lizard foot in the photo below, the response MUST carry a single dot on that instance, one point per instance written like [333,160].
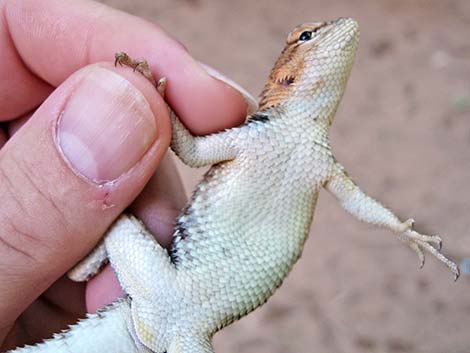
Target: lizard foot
[141,66]
[420,243]
[90,265]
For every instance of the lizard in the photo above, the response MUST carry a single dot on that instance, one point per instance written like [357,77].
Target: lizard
[246,223]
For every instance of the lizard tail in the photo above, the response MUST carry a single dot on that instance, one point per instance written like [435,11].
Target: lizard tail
[105,331]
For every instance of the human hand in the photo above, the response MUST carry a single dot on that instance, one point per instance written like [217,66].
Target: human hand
[78,146]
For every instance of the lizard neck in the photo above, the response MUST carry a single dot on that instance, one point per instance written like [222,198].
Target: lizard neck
[297,117]
[320,104]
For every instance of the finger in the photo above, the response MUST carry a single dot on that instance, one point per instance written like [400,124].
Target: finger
[157,206]
[23,91]
[74,34]
[102,289]
[69,172]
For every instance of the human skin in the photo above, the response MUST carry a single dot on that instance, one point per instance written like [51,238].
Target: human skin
[61,186]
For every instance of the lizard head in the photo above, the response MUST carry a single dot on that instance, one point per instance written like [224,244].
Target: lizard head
[314,66]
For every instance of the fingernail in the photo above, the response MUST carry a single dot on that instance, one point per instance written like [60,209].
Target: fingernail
[106,126]
[251,102]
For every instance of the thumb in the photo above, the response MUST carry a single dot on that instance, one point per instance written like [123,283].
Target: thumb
[82,157]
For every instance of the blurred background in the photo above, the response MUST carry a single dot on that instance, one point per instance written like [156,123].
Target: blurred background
[403,133]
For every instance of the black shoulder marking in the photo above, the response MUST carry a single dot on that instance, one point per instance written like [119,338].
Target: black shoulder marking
[259,117]
[179,235]
[180,230]
[174,258]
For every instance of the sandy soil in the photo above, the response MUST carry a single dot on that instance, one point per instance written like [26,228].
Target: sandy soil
[403,132]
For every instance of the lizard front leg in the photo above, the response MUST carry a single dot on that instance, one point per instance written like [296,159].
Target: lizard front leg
[200,151]
[194,151]
[366,209]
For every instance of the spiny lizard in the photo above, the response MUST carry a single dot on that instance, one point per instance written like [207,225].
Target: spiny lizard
[247,221]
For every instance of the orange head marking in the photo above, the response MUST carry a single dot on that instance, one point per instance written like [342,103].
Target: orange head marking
[310,59]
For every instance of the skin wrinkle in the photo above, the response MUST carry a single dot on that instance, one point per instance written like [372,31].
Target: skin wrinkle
[60,217]
[10,246]
[26,235]
[8,222]
[6,27]
[10,43]
[14,47]
[6,178]
[99,13]
[17,48]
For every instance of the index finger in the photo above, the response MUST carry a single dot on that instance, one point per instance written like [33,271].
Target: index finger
[52,39]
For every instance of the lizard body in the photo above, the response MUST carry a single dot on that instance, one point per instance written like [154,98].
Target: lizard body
[246,223]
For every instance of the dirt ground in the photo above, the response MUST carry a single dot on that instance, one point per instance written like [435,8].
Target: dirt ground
[402,131]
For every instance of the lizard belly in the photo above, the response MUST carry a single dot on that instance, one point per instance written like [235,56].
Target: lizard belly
[254,245]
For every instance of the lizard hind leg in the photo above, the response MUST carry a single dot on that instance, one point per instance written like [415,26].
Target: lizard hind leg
[144,269]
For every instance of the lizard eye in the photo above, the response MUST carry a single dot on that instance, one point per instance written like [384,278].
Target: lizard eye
[307,35]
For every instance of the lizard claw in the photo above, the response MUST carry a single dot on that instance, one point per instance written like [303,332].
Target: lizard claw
[121,58]
[141,66]
[439,243]
[456,274]
[418,251]
[420,243]
[161,86]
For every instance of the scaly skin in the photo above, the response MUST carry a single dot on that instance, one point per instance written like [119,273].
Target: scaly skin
[247,221]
